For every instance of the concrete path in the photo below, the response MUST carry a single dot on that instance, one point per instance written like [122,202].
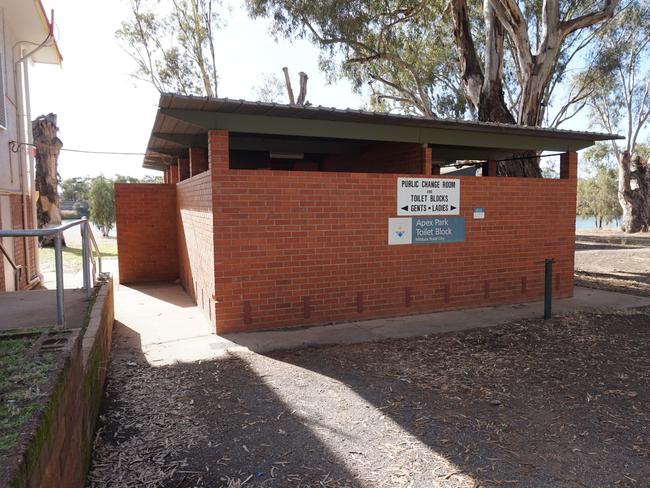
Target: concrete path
[37,308]
[161,323]
[435,323]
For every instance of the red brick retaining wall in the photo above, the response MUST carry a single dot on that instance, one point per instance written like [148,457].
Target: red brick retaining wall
[57,453]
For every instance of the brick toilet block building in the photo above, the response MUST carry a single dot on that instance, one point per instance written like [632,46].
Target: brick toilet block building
[278,216]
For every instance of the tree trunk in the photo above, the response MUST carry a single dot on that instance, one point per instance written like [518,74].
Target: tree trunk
[287,82]
[492,107]
[302,95]
[634,193]
[48,146]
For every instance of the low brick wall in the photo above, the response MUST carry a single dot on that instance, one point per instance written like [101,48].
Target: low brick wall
[58,454]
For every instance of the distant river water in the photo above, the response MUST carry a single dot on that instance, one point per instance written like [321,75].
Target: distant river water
[582,223]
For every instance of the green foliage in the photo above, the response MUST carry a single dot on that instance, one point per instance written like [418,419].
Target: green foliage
[172,44]
[270,89]
[82,208]
[158,180]
[597,196]
[102,204]
[126,179]
[75,189]
[619,76]
[643,150]
[400,50]
[133,179]
[598,189]
[405,51]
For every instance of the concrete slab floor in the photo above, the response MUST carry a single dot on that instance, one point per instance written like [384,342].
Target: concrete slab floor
[36,308]
[161,323]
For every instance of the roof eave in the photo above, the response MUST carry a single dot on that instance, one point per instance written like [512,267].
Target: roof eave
[49,27]
[182,120]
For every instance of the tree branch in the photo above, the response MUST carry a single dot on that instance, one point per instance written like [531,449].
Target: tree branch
[569,26]
[407,93]
[515,24]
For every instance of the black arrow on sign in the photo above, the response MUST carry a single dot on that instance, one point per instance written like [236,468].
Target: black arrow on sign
[405,207]
[452,207]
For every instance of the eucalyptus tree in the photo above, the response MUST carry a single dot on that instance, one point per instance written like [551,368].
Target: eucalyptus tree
[495,61]
[618,83]
[598,186]
[102,204]
[173,44]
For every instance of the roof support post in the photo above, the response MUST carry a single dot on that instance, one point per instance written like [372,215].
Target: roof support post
[198,161]
[183,169]
[569,165]
[219,161]
[173,174]
[489,168]
[218,150]
[426,160]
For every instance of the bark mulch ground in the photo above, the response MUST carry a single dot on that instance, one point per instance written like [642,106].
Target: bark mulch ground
[526,404]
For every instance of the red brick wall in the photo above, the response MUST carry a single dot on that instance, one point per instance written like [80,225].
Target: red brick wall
[146,232]
[196,239]
[387,157]
[297,248]
[20,244]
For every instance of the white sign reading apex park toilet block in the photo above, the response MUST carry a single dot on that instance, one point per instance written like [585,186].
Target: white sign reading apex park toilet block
[428,196]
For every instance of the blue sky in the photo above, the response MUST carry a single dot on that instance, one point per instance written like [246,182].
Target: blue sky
[101,107]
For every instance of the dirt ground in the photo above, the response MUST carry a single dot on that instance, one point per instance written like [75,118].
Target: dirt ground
[613,260]
[534,404]
[562,403]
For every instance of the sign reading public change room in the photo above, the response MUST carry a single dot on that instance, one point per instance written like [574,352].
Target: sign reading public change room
[425,230]
[428,196]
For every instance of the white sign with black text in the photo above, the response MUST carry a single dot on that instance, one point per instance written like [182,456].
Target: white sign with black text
[428,196]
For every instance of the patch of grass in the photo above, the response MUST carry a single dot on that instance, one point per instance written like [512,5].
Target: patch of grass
[21,381]
[72,257]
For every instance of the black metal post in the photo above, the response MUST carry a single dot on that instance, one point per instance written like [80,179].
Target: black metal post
[548,287]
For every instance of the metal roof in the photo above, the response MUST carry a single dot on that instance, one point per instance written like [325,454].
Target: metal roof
[183,121]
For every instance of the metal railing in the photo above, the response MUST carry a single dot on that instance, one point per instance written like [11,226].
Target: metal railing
[18,268]
[91,257]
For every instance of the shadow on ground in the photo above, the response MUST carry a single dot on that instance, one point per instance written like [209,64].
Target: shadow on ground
[213,423]
[621,275]
[557,403]
[164,293]
[600,246]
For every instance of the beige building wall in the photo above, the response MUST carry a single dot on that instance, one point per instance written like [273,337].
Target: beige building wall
[17,208]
